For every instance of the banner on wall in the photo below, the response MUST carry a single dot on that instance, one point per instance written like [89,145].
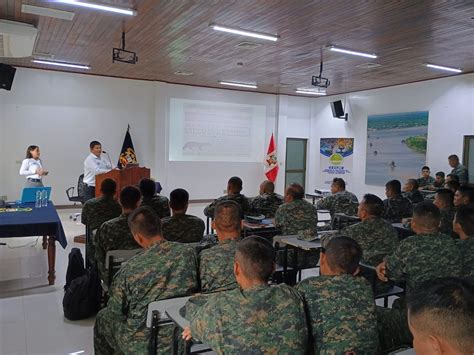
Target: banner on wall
[336,159]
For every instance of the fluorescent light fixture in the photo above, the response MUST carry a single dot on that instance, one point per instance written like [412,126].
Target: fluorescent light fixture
[61,64]
[238,31]
[348,51]
[95,6]
[310,92]
[440,67]
[46,11]
[242,85]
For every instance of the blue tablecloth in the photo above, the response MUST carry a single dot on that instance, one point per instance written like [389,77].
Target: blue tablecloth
[39,221]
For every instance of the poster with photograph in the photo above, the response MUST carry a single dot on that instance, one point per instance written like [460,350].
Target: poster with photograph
[336,155]
[396,146]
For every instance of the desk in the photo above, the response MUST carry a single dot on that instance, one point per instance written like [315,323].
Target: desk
[314,197]
[341,220]
[260,229]
[403,232]
[40,221]
[296,244]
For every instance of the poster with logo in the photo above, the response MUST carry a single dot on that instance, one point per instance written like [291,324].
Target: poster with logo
[336,155]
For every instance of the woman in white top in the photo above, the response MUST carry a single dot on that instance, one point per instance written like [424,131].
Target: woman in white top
[32,168]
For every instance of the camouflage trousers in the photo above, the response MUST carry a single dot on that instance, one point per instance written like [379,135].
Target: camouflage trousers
[394,332]
[115,337]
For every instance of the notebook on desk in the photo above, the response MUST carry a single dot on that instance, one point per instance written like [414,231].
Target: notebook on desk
[29,193]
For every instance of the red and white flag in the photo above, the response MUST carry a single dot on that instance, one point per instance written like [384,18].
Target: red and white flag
[271,162]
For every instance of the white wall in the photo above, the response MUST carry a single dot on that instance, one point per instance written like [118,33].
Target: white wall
[63,112]
[450,102]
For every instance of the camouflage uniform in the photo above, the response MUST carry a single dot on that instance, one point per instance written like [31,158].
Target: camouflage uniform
[239,198]
[160,204]
[293,217]
[426,183]
[340,202]
[462,173]
[423,257]
[467,252]
[112,235]
[98,210]
[266,204]
[447,217]
[375,236]
[262,319]
[414,196]
[183,228]
[165,270]
[396,208]
[342,314]
[216,266]
[417,259]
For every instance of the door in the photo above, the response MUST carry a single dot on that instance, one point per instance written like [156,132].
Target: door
[295,166]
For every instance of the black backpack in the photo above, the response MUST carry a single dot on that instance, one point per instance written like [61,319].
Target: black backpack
[75,266]
[82,297]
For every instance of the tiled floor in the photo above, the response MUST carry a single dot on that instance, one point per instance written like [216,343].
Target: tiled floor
[31,315]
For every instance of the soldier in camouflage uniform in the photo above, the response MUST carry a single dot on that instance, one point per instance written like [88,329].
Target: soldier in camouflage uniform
[158,203]
[163,270]
[425,182]
[295,216]
[341,306]
[463,196]
[115,233]
[255,318]
[182,227]
[439,180]
[411,192]
[234,187]
[216,264]
[100,209]
[458,169]
[463,225]
[396,207]
[441,314]
[424,256]
[444,201]
[267,202]
[340,200]
[376,236]
[97,211]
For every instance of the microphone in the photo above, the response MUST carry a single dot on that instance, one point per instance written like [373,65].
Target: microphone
[108,156]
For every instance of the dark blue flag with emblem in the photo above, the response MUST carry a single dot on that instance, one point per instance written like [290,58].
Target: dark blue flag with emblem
[127,155]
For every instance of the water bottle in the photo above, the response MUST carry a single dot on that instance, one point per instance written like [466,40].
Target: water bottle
[44,198]
[38,199]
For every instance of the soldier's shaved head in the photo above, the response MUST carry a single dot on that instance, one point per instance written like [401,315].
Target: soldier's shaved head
[145,221]
[130,197]
[179,199]
[267,187]
[256,257]
[426,215]
[108,187]
[234,185]
[295,190]
[343,255]
[372,204]
[227,216]
[441,316]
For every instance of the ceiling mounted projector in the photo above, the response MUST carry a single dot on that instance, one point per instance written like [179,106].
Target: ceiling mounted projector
[319,81]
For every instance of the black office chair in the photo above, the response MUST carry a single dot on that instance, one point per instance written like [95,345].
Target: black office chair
[80,191]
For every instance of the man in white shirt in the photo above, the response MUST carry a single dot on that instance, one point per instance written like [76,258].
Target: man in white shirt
[94,165]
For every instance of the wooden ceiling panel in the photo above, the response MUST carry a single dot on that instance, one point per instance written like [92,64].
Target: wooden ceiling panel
[174,35]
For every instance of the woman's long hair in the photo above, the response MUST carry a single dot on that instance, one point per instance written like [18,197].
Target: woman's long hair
[29,150]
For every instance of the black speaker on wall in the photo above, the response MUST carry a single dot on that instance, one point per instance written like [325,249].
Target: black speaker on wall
[338,110]
[7,73]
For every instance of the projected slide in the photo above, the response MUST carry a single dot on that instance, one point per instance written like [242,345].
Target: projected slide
[216,131]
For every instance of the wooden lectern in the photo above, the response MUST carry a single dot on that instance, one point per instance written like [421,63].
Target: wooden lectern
[124,177]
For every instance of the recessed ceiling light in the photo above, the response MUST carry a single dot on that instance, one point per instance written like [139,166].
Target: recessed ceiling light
[61,64]
[242,85]
[183,73]
[238,31]
[47,12]
[310,92]
[441,67]
[349,51]
[95,6]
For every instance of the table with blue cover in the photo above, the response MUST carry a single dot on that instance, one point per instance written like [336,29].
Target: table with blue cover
[42,221]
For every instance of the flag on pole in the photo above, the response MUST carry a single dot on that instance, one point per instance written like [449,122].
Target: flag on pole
[271,162]
[127,155]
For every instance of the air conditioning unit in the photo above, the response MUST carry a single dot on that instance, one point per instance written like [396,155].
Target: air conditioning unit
[17,39]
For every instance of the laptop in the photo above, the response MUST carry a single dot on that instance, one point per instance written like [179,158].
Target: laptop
[29,194]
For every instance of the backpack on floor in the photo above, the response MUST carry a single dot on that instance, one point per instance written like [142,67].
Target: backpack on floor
[83,296]
[75,266]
